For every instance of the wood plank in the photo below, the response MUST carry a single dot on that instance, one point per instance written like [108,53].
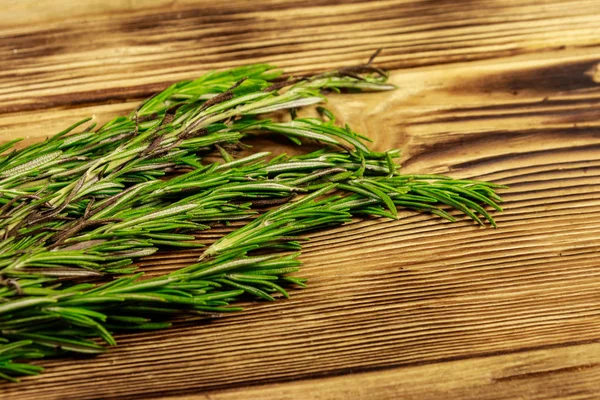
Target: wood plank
[571,372]
[506,91]
[117,56]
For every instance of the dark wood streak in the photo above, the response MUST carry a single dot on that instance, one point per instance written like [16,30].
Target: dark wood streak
[565,115]
[546,80]
[78,99]
[593,134]
[546,373]
[45,41]
[520,105]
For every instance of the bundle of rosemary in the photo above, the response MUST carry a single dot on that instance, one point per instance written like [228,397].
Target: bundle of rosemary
[78,209]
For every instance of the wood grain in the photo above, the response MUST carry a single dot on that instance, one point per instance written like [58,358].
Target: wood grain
[507,91]
[530,375]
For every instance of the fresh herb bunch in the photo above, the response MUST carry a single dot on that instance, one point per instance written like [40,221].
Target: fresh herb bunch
[78,209]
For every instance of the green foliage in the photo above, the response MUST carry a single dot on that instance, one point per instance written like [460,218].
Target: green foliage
[77,210]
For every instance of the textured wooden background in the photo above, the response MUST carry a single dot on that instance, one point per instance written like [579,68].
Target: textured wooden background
[507,91]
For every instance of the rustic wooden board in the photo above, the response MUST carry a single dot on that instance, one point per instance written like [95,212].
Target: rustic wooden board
[507,91]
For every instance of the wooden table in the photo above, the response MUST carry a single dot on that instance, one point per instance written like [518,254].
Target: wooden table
[507,91]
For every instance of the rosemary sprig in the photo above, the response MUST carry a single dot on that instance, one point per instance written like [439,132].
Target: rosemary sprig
[84,206]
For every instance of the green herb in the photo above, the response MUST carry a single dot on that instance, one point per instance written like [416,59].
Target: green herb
[78,209]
